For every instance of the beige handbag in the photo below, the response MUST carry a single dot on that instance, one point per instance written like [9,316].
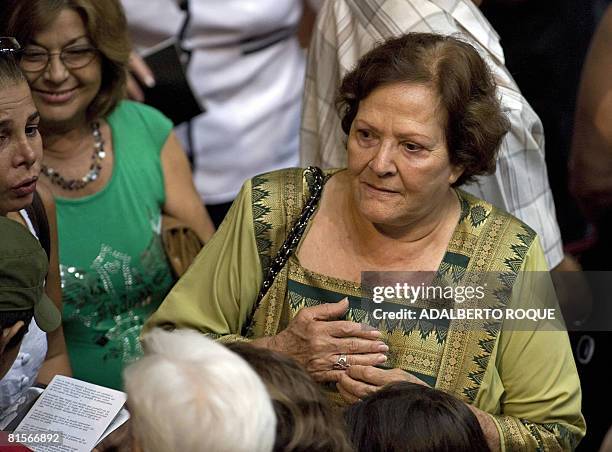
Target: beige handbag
[181,243]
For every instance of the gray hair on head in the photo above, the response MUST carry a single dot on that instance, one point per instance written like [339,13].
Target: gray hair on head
[191,393]
[10,74]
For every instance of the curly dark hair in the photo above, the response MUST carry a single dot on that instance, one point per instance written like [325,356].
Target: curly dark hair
[474,124]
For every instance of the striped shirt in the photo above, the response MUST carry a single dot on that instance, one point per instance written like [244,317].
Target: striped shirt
[347,29]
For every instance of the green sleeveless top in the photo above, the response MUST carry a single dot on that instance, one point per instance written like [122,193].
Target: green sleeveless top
[113,268]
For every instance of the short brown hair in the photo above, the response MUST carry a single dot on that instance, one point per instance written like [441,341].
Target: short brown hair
[106,27]
[306,421]
[474,122]
[10,74]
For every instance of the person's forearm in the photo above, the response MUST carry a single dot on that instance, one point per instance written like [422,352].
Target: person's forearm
[591,158]
[56,361]
[57,365]
[268,342]
[205,229]
[573,291]
[487,424]
[277,343]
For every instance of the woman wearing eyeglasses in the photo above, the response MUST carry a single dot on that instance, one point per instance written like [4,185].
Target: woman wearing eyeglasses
[113,166]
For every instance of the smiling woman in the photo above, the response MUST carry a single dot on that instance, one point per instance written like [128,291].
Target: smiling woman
[62,90]
[80,27]
[422,116]
[114,167]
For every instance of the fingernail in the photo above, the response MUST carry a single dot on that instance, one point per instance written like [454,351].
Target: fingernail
[381,359]
[149,81]
[376,334]
[383,348]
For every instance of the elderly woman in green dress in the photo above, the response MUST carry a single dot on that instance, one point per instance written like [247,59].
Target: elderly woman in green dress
[422,118]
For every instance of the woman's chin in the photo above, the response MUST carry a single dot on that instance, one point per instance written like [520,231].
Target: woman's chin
[60,120]
[380,217]
[15,205]
[56,114]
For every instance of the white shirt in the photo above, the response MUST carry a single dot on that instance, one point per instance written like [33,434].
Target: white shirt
[253,101]
[347,29]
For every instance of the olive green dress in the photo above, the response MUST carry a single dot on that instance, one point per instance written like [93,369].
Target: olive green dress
[526,380]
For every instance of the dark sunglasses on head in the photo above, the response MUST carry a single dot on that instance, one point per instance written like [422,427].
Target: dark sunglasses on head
[9,46]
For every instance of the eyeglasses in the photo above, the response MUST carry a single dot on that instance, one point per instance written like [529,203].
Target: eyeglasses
[9,46]
[73,57]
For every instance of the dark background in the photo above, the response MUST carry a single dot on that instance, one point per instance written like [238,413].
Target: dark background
[545,43]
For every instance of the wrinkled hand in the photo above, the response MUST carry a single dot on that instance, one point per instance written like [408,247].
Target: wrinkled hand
[138,69]
[316,341]
[359,382]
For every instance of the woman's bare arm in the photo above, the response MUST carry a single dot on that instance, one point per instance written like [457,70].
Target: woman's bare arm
[182,199]
[56,361]
[591,160]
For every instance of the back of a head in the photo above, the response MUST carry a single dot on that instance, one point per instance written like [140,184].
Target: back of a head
[409,417]
[190,393]
[306,420]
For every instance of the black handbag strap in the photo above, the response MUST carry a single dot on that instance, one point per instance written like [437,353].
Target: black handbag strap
[295,234]
[38,216]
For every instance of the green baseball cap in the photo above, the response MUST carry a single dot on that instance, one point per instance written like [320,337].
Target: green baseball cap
[23,269]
